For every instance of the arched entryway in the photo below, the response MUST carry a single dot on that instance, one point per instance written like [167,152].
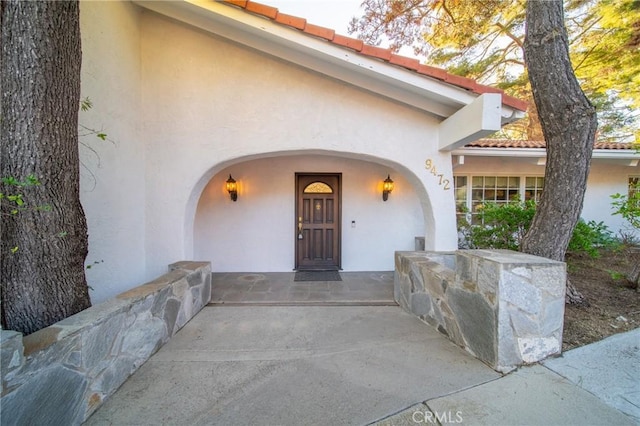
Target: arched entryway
[258,232]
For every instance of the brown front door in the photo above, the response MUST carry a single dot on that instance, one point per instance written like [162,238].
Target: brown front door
[318,221]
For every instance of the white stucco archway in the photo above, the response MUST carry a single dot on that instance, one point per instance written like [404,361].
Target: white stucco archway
[369,224]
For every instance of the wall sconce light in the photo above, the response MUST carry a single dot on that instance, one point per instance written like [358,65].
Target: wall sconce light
[387,187]
[232,188]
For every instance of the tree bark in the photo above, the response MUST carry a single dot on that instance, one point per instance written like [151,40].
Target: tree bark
[534,129]
[634,275]
[568,123]
[43,281]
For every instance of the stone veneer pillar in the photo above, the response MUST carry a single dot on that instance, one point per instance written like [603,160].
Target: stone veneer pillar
[504,307]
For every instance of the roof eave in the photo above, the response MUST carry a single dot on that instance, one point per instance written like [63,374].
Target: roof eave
[435,97]
[609,154]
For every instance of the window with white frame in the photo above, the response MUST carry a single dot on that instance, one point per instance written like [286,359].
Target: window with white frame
[460,185]
[471,192]
[533,188]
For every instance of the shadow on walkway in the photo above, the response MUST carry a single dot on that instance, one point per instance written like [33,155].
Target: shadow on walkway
[269,350]
[293,365]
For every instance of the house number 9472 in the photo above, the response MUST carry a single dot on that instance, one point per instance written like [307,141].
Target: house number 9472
[442,181]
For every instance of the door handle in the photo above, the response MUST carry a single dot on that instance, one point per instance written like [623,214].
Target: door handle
[300,228]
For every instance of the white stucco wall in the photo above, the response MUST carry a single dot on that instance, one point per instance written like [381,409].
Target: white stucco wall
[606,177]
[257,233]
[112,172]
[209,103]
[183,107]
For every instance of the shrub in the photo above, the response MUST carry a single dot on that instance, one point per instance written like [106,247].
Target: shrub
[588,237]
[502,226]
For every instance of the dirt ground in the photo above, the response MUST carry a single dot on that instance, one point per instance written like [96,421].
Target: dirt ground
[614,301]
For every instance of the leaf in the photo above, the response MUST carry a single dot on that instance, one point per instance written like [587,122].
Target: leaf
[86,104]
[32,180]
[14,249]
[483,40]
[17,199]
[102,136]
[10,180]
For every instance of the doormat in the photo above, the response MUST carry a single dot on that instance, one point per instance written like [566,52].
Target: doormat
[317,276]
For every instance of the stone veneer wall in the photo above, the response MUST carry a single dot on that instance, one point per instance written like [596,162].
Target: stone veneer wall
[506,308]
[61,374]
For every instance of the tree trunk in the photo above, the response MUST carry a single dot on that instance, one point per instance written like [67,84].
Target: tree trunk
[534,129]
[43,281]
[634,275]
[569,124]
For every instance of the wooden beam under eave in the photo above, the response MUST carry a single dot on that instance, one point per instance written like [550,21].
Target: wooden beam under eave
[474,121]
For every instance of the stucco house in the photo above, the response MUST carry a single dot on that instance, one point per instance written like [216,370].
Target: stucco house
[496,170]
[306,124]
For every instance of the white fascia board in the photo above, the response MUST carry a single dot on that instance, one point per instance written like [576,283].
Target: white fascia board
[629,156]
[480,118]
[422,92]
[501,152]
[610,154]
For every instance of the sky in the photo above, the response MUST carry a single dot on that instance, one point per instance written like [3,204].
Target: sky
[334,14]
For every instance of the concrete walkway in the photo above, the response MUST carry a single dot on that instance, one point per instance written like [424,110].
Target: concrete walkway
[598,384]
[292,366]
[239,362]
[609,369]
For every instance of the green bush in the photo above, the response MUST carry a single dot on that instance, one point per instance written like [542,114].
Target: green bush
[502,226]
[588,237]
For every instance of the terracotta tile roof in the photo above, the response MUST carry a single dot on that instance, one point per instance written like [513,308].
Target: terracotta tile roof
[359,46]
[506,143]
[612,145]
